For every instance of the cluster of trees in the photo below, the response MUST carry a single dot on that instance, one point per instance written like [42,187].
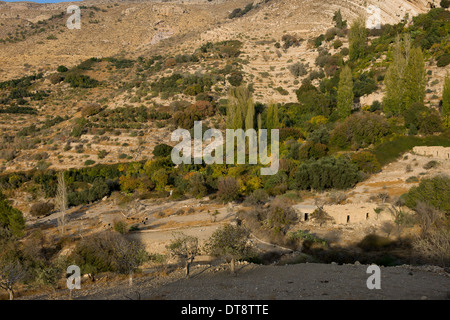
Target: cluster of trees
[109,252]
[405,78]
[124,117]
[224,49]
[240,109]
[11,219]
[238,12]
[81,81]
[195,112]
[188,84]
[16,92]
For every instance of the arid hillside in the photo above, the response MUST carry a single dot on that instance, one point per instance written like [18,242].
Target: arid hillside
[41,40]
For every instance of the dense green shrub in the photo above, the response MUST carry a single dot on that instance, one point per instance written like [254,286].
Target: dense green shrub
[235,79]
[98,190]
[325,173]
[94,254]
[289,133]
[366,162]
[319,135]
[11,218]
[277,184]
[197,186]
[290,41]
[120,227]
[18,110]
[431,191]
[195,112]
[89,162]
[177,83]
[312,150]
[443,60]
[360,130]
[23,82]
[364,85]
[81,81]
[162,150]
[298,69]
[228,189]
[62,69]
[279,218]
[312,99]
[238,12]
[41,209]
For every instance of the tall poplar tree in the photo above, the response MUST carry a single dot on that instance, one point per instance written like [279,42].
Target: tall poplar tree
[240,109]
[415,78]
[393,101]
[357,38]
[272,121]
[345,93]
[446,100]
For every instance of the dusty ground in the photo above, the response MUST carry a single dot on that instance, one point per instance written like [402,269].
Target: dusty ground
[290,282]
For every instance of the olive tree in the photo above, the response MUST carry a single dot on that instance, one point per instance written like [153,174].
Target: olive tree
[128,256]
[184,247]
[229,242]
[11,268]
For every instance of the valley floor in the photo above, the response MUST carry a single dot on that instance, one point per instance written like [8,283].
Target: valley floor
[290,282]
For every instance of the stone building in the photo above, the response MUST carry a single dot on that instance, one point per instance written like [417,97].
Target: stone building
[435,152]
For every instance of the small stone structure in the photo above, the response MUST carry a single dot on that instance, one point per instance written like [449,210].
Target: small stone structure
[350,213]
[435,152]
[304,211]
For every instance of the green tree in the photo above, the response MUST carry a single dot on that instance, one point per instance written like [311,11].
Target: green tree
[345,93]
[446,100]
[337,18]
[250,116]
[394,80]
[238,113]
[272,121]
[431,191]
[128,256]
[184,247]
[228,189]
[229,242]
[357,39]
[238,121]
[11,266]
[415,78]
[405,78]
[366,162]
[162,150]
[11,218]
[160,178]
[62,202]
